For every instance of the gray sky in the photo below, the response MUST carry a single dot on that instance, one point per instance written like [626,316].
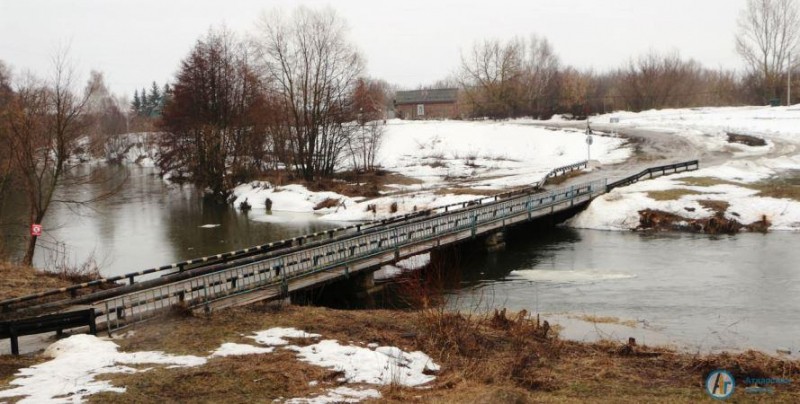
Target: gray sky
[408,42]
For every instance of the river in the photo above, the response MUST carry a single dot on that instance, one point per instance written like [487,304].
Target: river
[147,223]
[705,293]
[696,292]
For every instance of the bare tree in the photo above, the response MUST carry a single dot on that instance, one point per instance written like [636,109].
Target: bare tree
[658,80]
[507,79]
[491,76]
[6,96]
[310,67]
[769,30]
[46,122]
[213,122]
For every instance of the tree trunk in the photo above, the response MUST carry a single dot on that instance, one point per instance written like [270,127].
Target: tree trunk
[28,259]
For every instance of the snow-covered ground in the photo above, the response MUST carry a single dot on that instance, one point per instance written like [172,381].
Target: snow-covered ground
[480,155]
[70,376]
[734,171]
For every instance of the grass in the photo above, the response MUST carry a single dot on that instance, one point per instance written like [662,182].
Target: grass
[18,281]
[787,186]
[707,182]
[671,194]
[563,178]
[500,357]
[466,191]
[718,207]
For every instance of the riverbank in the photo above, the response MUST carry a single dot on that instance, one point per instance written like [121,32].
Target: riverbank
[491,359]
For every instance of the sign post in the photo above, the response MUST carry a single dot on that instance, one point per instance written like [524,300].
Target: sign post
[36,230]
[589,142]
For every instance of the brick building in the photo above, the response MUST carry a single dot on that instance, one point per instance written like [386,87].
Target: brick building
[441,103]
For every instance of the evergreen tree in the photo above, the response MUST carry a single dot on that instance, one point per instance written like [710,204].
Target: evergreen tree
[154,101]
[137,103]
[143,110]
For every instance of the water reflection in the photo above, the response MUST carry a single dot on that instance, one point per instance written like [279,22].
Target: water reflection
[147,223]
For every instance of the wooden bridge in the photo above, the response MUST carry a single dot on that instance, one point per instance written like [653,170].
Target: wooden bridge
[272,271]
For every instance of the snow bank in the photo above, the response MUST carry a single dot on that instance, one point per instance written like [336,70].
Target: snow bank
[385,365]
[70,376]
[618,210]
[289,198]
[707,129]
[233,349]
[515,152]
[341,394]
[275,336]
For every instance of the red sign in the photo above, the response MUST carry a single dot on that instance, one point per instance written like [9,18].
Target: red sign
[36,230]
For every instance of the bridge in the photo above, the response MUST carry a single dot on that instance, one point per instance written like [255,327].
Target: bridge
[274,270]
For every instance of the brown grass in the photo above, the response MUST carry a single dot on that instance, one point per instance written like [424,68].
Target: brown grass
[563,178]
[719,207]
[787,186]
[707,182]
[18,281]
[327,203]
[504,357]
[671,194]
[466,191]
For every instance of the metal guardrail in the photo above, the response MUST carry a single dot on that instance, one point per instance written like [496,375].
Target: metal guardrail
[652,171]
[263,250]
[120,311]
[558,171]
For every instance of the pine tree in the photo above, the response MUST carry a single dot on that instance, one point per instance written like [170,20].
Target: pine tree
[137,103]
[143,110]
[154,100]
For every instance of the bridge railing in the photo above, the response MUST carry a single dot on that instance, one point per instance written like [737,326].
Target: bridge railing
[654,172]
[202,290]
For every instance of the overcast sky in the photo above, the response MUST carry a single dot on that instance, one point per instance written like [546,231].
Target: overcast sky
[407,42]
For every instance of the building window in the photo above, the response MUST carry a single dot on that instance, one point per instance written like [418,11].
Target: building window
[420,110]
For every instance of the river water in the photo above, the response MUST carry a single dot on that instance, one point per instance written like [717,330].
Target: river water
[694,291]
[146,224]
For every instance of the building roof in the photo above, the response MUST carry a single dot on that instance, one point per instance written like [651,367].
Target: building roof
[444,95]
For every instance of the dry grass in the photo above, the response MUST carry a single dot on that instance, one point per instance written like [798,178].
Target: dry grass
[671,194]
[719,207]
[563,178]
[499,358]
[707,182]
[504,357]
[327,203]
[18,281]
[466,191]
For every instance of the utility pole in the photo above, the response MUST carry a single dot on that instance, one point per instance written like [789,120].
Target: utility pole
[789,82]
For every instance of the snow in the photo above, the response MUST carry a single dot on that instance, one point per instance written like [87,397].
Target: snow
[275,336]
[341,394]
[408,264]
[706,129]
[71,375]
[483,155]
[233,349]
[383,366]
[289,198]
[517,151]
[209,226]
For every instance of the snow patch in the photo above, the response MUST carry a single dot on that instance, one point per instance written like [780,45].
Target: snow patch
[275,336]
[233,349]
[341,394]
[70,376]
[382,366]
